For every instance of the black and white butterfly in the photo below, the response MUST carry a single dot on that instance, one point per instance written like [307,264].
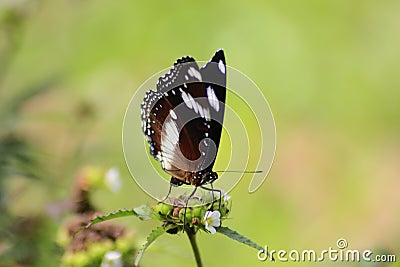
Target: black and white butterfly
[182,120]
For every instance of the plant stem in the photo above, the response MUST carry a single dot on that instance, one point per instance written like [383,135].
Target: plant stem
[192,238]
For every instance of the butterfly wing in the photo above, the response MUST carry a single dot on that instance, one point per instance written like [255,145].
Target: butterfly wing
[214,77]
[182,120]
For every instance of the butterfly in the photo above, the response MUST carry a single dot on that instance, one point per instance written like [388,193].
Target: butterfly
[182,119]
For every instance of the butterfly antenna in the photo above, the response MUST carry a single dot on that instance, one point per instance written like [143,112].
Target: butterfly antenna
[242,171]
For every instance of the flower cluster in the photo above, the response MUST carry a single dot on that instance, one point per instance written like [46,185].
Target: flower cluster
[181,214]
[201,213]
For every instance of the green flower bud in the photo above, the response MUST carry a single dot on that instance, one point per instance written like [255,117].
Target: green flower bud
[224,209]
[189,214]
[199,211]
[162,209]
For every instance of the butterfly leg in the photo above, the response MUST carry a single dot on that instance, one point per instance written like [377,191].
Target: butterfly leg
[212,193]
[220,195]
[186,205]
[169,192]
[173,183]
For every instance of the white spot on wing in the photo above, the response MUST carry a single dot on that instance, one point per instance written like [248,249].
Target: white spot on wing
[169,142]
[201,111]
[207,114]
[221,66]
[173,114]
[166,164]
[170,133]
[194,104]
[194,73]
[212,98]
[186,99]
[191,103]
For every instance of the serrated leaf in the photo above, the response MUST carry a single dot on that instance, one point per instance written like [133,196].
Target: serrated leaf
[238,237]
[150,239]
[143,212]
[108,216]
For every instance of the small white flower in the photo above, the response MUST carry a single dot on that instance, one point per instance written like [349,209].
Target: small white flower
[113,180]
[212,219]
[112,259]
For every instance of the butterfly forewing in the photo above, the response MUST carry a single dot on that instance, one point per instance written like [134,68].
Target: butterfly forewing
[214,74]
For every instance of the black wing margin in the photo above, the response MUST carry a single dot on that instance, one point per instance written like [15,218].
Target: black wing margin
[214,77]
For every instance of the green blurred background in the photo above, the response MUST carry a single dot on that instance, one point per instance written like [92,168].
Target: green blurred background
[329,69]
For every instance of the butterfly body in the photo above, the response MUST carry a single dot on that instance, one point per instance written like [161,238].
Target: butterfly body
[182,119]
[193,178]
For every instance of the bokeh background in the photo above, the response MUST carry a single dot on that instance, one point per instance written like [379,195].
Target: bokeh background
[329,69]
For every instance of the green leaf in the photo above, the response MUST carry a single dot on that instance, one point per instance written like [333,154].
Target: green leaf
[143,212]
[238,237]
[108,216]
[150,239]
